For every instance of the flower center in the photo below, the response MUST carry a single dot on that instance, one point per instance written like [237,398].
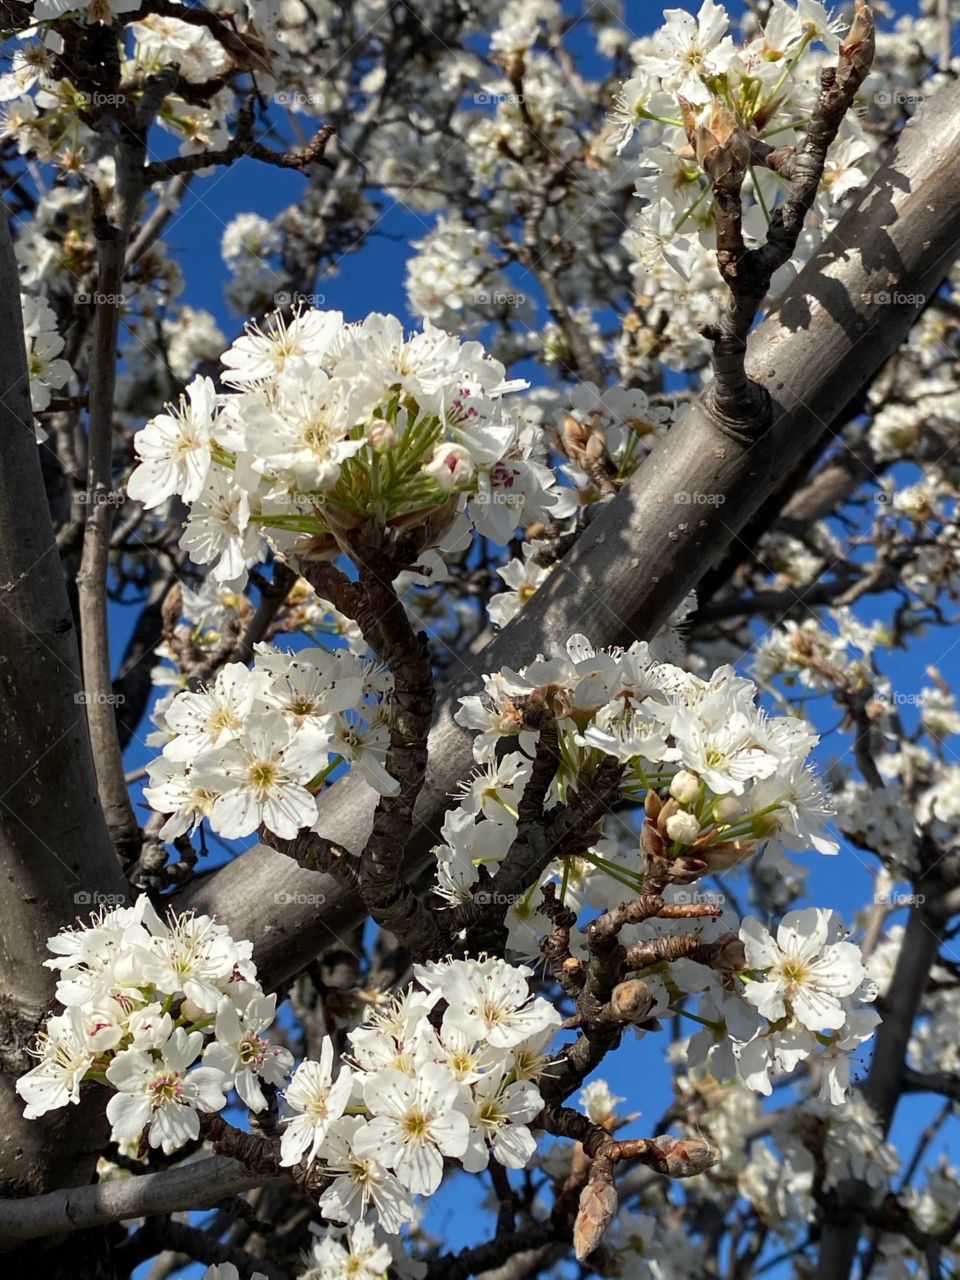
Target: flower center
[415,1125]
[263,774]
[164,1089]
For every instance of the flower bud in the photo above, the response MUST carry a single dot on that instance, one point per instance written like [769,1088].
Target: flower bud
[632,1000]
[764,824]
[598,1208]
[726,809]
[685,787]
[381,435]
[451,466]
[859,45]
[683,827]
[728,954]
[686,1157]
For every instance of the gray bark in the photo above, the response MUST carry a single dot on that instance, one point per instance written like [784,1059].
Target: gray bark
[823,343]
[54,846]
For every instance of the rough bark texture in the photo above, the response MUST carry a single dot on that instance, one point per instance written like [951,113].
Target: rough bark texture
[55,853]
[634,563]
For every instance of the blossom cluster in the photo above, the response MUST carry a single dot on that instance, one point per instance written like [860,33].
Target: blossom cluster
[692,82]
[168,1015]
[448,1069]
[718,782]
[326,425]
[54,113]
[256,745]
[725,778]
[804,992]
[48,370]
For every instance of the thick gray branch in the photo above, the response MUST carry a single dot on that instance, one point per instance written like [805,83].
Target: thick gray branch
[55,852]
[631,567]
[191,1186]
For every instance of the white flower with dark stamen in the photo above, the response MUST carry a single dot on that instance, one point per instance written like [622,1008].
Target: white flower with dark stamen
[245,1056]
[490,999]
[498,1114]
[174,449]
[262,777]
[415,1123]
[317,1100]
[803,972]
[65,1057]
[360,1182]
[162,1094]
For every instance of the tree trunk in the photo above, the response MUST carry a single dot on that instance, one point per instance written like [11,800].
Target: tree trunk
[56,859]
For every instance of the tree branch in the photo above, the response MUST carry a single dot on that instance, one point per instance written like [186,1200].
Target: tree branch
[198,1185]
[633,564]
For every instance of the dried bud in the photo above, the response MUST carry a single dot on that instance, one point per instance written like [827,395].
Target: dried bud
[651,805]
[598,1207]
[685,787]
[596,446]
[858,49]
[575,434]
[721,146]
[631,1001]
[686,1157]
[723,856]
[171,609]
[651,842]
[668,809]
[728,954]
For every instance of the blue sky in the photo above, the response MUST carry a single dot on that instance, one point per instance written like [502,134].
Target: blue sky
[373,279]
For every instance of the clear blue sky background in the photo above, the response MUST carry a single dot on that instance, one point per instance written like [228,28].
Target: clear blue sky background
[372,279]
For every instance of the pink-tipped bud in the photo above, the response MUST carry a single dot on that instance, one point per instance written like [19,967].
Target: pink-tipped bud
[381,435]
[451,466]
